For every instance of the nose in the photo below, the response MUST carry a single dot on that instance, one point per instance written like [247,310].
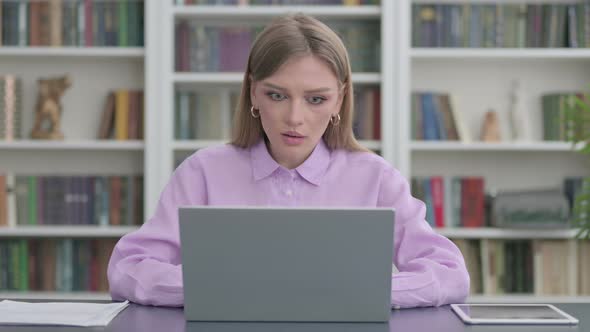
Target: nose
[295,113]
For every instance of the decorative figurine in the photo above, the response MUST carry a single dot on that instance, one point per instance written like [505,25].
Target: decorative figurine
[48,110]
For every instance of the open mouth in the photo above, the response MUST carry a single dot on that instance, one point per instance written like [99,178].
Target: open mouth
[292,138]
[293,134]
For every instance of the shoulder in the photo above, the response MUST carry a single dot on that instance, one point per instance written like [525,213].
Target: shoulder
[369,161]
[370,167]
[218,155]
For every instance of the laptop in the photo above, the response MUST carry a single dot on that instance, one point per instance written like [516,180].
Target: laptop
[277,264]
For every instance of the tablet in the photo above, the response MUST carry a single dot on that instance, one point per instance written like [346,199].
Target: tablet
[512,314]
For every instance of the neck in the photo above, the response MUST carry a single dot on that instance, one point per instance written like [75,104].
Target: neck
[289,161]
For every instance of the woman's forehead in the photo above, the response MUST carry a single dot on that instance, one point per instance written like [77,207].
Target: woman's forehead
[306,73]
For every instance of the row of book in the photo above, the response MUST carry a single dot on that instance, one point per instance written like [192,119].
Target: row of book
[213,49]
[501,25]
[71,200]
[62,265]
[204,114]
[10,107]
[123,116]
[539,267]
[562,118]
[367,114]
[453,201]
[278,2]
[434,117]
[72,23]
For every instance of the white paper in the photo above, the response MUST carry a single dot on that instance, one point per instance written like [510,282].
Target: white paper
[59,313]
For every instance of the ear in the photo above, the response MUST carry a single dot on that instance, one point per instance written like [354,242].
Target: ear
[253,85]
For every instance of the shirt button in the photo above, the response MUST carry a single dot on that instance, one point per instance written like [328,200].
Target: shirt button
[289,193]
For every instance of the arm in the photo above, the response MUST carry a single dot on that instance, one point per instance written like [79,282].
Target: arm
[432,269]
[145,266]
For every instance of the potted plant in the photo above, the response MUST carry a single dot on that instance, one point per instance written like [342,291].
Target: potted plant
[578,124]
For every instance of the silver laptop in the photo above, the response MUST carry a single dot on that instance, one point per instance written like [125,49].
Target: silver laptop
[275,264]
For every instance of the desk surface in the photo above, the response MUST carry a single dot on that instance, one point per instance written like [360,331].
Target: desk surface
[441,319]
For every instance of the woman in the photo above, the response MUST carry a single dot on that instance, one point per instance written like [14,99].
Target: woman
[292,145]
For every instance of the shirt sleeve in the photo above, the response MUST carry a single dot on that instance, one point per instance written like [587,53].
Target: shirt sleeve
[145,266]
[432,269]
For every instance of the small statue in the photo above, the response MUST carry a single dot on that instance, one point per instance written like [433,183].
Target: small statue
[490,129]
[48,109]
[519,126]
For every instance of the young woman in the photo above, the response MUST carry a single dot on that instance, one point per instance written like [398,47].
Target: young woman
[292,145]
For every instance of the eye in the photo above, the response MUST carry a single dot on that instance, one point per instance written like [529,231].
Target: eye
[316,100]
[276,96]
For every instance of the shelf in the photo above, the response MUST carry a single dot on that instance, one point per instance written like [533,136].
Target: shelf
[98,52]
[236,78]
[527,298]
[371,144]
[433,146]
[112,145]
[500,53]
[268,12]
[39,295]
[505,233]
[191,145]
[66,231]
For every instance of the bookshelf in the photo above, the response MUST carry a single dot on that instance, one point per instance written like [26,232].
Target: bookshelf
[479,79]
[78,231]
[500,233]
[95,71]
[172,80]
[496,54]
[73,145]
[68,51]
[498,147]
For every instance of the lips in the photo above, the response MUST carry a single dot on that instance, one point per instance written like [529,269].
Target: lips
[293,134]
[292,138]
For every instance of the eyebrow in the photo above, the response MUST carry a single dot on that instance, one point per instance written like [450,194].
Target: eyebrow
[270,85]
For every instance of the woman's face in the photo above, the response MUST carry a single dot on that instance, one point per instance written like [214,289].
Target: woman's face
[295,105]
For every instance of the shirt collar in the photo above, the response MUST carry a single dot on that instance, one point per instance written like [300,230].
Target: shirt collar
[312,169]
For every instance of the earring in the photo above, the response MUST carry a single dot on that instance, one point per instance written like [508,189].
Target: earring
[254,115]
[335,119]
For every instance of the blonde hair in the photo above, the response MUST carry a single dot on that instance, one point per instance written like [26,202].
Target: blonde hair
[284,38]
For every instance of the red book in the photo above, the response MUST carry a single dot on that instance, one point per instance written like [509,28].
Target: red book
[438,200]
[35,21]
[88,31]
[472,202]
[94,270]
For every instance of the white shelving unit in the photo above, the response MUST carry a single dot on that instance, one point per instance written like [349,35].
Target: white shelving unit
[190,145]
[73,296]
[479,79]
[220,15]
[502,233]
[268,12]
[94,145]
[492,147]
[92,52]
[504,53]
[94,72]
[236,78]
[77,231]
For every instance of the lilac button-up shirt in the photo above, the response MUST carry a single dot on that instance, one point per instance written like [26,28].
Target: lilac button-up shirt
[145,266]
